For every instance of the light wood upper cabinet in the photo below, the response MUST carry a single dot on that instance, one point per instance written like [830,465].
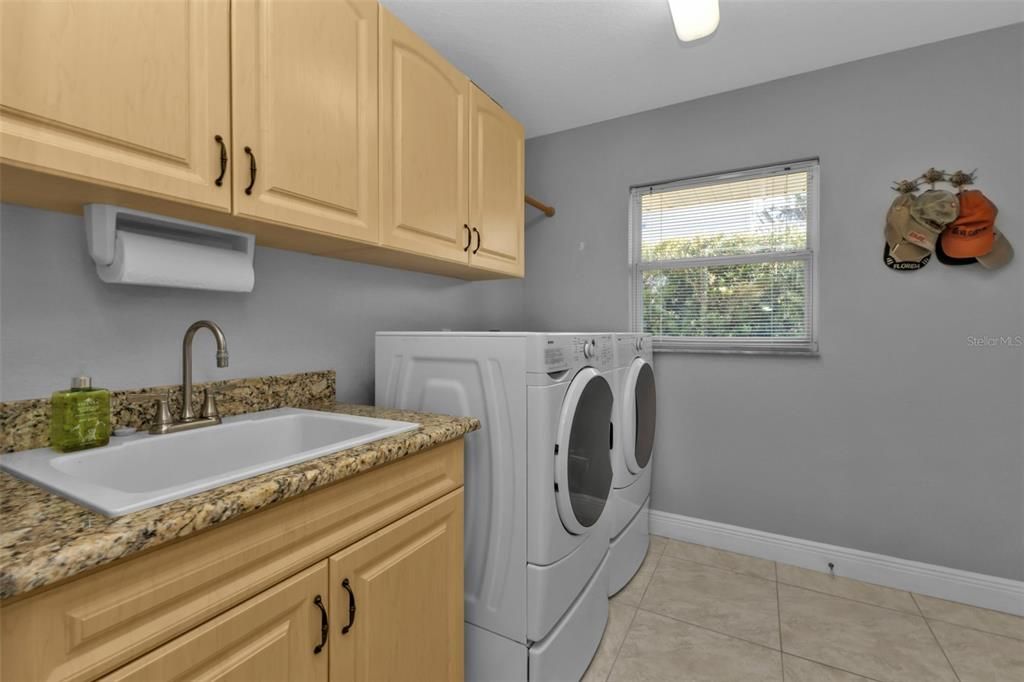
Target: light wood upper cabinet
[273,636]
[304,74]
[403,587]
[129,94]
[424,146]
[322,126]
[496,186]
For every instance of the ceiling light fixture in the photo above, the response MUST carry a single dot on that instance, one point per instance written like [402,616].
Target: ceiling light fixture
[694,19]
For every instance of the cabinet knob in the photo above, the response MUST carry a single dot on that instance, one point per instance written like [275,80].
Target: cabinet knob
[477,233]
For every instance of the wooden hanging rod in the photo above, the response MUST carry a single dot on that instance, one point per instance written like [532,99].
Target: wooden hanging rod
[548,210]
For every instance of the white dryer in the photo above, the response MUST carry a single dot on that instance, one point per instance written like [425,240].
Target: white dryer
[538,479]
[633,421]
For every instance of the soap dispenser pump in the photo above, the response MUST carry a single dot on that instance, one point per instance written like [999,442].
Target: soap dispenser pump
[80,416]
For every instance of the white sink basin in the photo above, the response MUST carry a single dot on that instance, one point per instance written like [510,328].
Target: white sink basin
[143,471]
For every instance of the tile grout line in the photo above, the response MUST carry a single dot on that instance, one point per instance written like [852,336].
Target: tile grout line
[942,649]
[778,614]
[654,569]
[931,619]
[724,568]
[917,606]
[809,589]
[707,629]
[935,637]
[856,601]
[618,649]
[657,559]
[801,587]
[720,568]
[833,667]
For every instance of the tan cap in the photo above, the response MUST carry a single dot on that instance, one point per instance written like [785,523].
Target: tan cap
[930,212]
[901,253]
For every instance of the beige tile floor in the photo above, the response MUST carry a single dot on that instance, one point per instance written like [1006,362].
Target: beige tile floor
[694,613]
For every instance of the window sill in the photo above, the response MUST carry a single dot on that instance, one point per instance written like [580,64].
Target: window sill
[722,350]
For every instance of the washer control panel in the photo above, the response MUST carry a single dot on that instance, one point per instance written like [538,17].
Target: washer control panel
[565,351]
[628,346]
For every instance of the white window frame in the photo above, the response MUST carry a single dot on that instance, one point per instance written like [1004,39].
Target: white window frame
[725,344]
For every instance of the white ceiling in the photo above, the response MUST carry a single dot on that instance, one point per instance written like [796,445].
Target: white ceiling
[559,64]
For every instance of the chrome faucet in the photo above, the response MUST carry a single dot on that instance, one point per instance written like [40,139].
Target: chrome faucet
[209,411]
[208,416]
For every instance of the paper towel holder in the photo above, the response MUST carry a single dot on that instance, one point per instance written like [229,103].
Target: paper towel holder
[103,221]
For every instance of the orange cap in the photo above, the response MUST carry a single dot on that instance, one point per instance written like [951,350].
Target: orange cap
[973,232]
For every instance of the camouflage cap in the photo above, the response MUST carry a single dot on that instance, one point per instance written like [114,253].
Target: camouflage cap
[935,209]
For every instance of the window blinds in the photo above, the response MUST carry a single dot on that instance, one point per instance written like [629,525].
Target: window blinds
[726,263]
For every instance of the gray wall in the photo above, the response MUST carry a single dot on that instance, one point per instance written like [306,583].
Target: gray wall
[58,319]
[901,438]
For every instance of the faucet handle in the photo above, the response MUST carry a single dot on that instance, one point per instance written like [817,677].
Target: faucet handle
[163,411]
[209,405]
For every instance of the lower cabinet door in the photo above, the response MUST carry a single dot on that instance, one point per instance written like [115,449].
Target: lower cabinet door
[396,600]
[272,637]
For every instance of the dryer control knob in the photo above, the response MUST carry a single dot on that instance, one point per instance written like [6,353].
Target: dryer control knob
[639,343]
[588,350]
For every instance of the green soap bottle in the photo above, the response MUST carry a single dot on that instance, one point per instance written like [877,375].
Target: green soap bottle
[80,417]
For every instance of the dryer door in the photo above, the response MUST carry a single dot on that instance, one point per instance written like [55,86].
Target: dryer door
[638,415]
[583,465]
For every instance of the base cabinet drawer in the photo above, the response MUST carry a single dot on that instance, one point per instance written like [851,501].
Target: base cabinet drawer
[274,636]
[397,600]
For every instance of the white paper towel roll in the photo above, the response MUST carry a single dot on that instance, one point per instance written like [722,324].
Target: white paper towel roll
[152,261]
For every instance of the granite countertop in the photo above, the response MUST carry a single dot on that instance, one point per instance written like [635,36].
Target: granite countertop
[45,539]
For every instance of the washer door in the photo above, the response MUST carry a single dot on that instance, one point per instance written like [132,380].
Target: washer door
[638,415]
[583,464]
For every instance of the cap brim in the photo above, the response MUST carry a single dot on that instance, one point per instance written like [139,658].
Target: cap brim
[944,257]
[1000,254]
[904,249]
[961,246]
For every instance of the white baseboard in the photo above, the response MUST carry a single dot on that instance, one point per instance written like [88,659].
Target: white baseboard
[976,589]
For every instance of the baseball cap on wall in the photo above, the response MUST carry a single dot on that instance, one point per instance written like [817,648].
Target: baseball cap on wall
[930,212]
[901,253]
[973,237]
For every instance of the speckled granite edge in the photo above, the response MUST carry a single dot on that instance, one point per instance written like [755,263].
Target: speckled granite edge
[45,539]
[25,424]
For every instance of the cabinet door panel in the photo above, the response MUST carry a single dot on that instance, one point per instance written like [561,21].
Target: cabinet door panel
[127,94]
[305,104]
[424,150]
[496,191]
[406,581]
[269,638]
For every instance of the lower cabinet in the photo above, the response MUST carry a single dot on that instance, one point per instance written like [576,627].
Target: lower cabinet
[381,550]
[387,608]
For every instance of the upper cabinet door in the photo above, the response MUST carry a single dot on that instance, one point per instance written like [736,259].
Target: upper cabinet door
[496,210]
[424,147]
[126,94]
[305,114]
[397,601]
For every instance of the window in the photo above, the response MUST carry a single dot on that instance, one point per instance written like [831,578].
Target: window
[726,263]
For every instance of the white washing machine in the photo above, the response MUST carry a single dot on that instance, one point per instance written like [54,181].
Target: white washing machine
[633,421]
[538,478]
